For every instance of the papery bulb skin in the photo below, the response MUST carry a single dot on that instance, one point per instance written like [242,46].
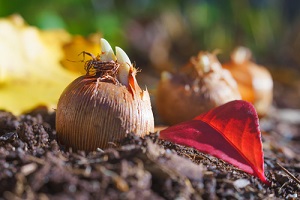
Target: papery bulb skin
[199,86]
[254,81]
[97,110]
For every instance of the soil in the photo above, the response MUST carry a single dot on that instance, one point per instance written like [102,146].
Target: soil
[34,166]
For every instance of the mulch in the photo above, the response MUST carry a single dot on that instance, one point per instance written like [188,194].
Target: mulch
[34,166]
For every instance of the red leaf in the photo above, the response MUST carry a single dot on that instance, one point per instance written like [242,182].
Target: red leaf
[229,132]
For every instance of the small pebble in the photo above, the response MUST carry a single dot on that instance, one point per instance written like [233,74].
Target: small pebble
[241,183]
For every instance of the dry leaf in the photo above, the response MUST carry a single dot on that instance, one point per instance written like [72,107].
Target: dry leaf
[229,132]
[30,69]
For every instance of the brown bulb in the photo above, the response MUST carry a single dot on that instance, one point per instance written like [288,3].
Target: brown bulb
[98,110]
[254,81]
[196,88]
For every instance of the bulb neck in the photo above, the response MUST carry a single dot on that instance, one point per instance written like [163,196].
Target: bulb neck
[105,71]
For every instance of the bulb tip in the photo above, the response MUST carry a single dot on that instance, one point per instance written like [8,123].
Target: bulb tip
[107,54]
[125,66]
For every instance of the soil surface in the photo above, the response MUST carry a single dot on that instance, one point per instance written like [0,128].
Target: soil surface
[34,166]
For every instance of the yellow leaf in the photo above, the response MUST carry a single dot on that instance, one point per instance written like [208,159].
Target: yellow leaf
[30,70]
[77,45]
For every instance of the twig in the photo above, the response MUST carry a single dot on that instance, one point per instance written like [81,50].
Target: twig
[187,155]
[288,173]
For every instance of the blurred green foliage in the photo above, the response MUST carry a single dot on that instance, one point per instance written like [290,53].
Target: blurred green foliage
[262,25]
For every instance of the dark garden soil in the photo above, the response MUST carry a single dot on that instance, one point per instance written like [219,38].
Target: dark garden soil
[34,166]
